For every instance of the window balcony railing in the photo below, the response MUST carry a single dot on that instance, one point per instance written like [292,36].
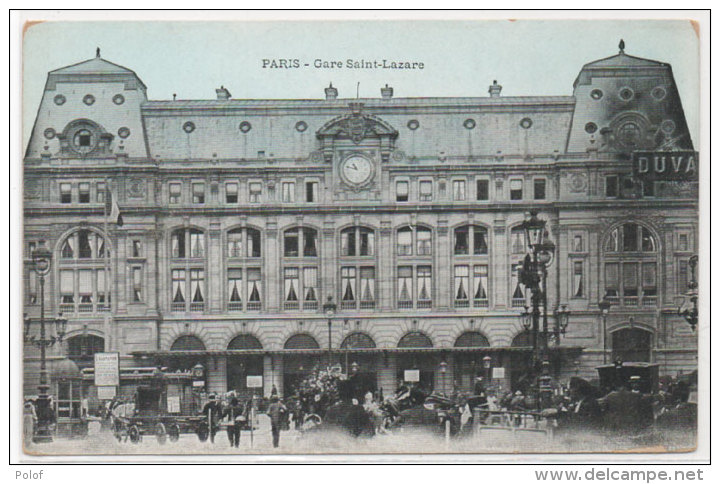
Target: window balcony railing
[310,305]
[424,304]
[405,304]
[197,307]
[367,304]
[348,305]
[481,303]
[292,305]
[518,303]
[235,306]
[630,300]
[177,306]
[649,301]
[254,306]
[67,307]
[462,303]
[85,307]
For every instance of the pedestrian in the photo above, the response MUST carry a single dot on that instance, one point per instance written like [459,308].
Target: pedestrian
[274,391]
[235,413]
[276,411]
[212,411]
[29,422]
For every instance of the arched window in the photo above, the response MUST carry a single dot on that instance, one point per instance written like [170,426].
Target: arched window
[472,339]
[414,281]
[301,341]
[187,251]
[245,342]
[357,268]
[82,348]
[631,344]
[468,366]
[470,270]
[521,340]
[357,340]
[631,265]
[244,283]
[84,286]
[300,277]
[415,339]
[188,342]
[414,241]
[239,367]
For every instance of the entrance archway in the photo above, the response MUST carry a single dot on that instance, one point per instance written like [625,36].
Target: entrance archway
[420,360]
[239,367]
[469,365]
[631,344]
[365,378]
[297,366]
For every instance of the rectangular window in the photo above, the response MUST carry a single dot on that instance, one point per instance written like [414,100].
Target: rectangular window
[424,241]
[197,289]
[254,289]
[32,292]
[253,243]
[310,287]
[67,290]
[630,283]
[424,286]
[539,189]
[84,193]
[234,243]
[234,289]
[683,277]
[367,287]
[405,287]
[630,237]
[426,190]
[611,186]
[482,192]
[178,290]
[517,241]
[577,281]
[578,245]
[85,291]
[197,245]
[347,285]
[231,192]
[458,190]
[100,192]
[292,286]
[612,281]
[462,241]
[649,283]
[136,248]
[683,243]
[480,246]
[516,189]
[198,192]
[462,286]
[288,192]
[65,193]
[309,243]
[102,297]
[404,243]
[255,189]
[311,192]
[292,243]
[401,191]
[480,286]
[367,242]
[175,193]
[137,284]
[518,290]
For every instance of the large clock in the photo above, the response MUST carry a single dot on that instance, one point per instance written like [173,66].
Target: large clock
[356,170]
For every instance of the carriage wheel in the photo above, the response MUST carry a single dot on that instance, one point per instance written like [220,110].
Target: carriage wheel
[173,431]
[161,433]
[134,434]
[203,432]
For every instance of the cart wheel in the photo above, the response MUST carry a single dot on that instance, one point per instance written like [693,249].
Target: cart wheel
[134,434]
[202,432]
[160,433]
[173,431]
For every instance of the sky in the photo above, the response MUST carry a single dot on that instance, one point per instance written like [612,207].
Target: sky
[461,58]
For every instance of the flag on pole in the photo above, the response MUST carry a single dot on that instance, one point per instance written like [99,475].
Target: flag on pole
[112,208]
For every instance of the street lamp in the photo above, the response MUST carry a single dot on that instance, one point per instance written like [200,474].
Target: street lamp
[329,308]
[41,259]
[562,317]
[604,307]
[443,370]
[691,313]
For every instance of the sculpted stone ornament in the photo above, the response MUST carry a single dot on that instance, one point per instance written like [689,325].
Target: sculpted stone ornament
[578,183]
[136,188]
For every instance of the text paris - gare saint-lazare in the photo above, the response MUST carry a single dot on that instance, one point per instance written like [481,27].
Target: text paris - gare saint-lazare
[340,64]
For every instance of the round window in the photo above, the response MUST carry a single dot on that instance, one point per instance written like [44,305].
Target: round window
[89,99]
[668,126]
[49,133]
[469,123]
[83,141]
[596,94]
[124,132]
[189,127]
[59,99]
[245,126]
[413,124]
[301,126]
[629,134]
[659,93]
[626,94]
[526,123]
[118,99]
[590,128]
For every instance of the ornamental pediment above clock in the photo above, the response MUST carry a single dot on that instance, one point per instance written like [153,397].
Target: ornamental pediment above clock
[357,127]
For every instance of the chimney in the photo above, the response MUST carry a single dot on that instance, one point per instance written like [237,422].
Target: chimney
[331,92]
[495,89]
[222,94]
[386,92]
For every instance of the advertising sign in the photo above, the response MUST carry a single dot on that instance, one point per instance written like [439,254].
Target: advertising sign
[498,372]
[173,404]
[666,165]
[412,376]
[107,369]
[254,381]
[106,393]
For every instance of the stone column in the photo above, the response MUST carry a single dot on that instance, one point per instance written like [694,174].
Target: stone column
[443,268]
[217,374]
[500,265]
[328,263]
[213,283]
[386,375]
[385,267]
[273,294]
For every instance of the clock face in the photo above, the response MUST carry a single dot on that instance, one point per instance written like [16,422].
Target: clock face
[357,169]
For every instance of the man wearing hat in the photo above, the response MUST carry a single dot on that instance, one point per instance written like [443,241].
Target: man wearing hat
[276,412]
[213,412]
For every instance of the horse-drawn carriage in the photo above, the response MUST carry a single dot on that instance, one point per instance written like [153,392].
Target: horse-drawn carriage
[145,415]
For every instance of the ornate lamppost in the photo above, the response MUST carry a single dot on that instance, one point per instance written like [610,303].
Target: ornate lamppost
[562,317]
[690,312]
[604,307]
[41,259]
[329,308]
